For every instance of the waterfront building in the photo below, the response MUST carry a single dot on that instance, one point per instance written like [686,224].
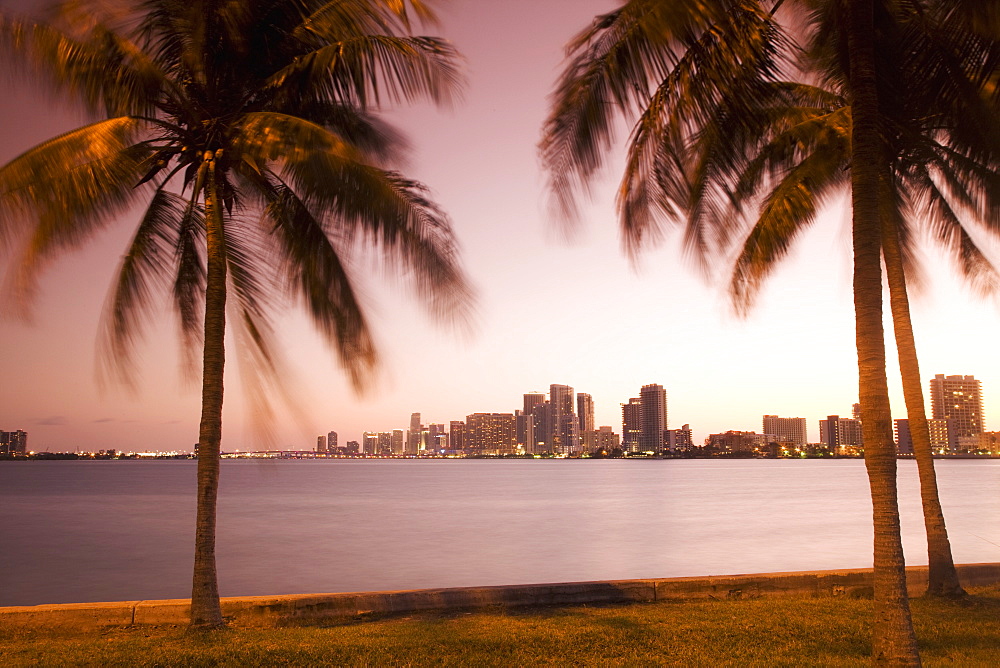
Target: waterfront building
[602,439]
[585,411]
[13,442]
[989,441]
[437,437]
[786,430]
[536,428]
[530,413]
[490,433]
[369,443]
[679,438]
[653,418]
[398,442]
[564,427]
[737,442]
[384,446]
[959,400]
[456,436]
[938,430]
[352,448]
[413,444]
[331,442]
[321,444]
[841,435]
[631,424]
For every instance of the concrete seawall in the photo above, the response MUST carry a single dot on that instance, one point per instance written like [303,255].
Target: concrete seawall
[269,611]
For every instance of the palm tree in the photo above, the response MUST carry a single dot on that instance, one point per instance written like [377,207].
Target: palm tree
[803,146]
[248,130]
[713,90]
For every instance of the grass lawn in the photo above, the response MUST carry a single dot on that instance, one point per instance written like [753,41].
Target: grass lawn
[762,632]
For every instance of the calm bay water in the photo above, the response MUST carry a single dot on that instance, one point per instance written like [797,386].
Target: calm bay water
[123,530]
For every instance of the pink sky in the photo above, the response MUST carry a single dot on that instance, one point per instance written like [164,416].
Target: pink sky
[549,310]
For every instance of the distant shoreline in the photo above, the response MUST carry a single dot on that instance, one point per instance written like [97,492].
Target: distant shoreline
[313,456]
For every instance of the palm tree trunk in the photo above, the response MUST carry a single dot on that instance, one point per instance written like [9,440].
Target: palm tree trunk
[893,642]
[941,573]
[206,611]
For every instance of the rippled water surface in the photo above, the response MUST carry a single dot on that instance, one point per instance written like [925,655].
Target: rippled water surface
[123,530]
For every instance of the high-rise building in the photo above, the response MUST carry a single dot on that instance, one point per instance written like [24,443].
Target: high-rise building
[840,433]
[456,435]
[352,448]
[529,419]
[585,411]
[679,438]
[786,430]
[959,400]
[653,417]
[631,424]
[369,442]
[490,433]
[13,442]
[602,439]
[437,437]
[413,437]
[321,444]
[398,442]
[563,424]
[938,430]
[331,442]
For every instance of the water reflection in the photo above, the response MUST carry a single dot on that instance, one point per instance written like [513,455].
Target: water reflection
[86,531]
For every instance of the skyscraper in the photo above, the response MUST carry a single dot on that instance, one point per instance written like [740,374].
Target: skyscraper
[13,442]
[959,400]
[456,435]
[321,444]
[786,430]
[837,432]
[563,423]
[528,432]
[585,411]
[413,437]
[490,433]
[631,424]
[653,416]
[331,442]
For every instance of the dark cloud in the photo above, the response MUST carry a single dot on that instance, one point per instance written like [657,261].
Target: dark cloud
[52,421]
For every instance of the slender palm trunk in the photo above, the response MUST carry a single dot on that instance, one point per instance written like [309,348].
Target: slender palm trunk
[942,575]
[893,642]
[205,608]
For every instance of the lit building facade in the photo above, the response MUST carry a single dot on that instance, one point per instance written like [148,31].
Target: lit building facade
[585,411]
[490,433]
[13,442]
[938,430]
[602,439]
[653,418]
[843,435]
[456,435]
[786,430]
[564,427]
[959,400]
[631,424]
[413,437]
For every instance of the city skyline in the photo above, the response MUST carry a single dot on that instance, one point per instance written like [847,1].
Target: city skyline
[549,308]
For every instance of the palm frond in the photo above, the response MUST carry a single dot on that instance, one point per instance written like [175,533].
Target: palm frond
[146,270]
[369,70]
[787,211]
